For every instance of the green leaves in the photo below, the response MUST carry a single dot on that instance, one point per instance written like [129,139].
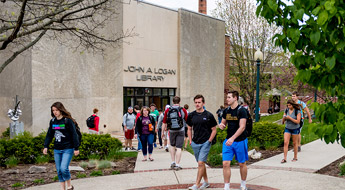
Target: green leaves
[273,5]
[330,62]
[299,14]
[294,34]
[315,37]
[323,16]
[316,11]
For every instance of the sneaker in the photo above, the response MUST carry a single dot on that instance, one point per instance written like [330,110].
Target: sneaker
[243,188]
[177,168]
[194,187]
[166,149]
[160,147]
[139,150]
[299,149]
[133,148]
[126,148]
[204,185]
[172,166]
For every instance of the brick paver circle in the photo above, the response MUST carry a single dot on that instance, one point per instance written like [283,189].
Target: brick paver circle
[212,185]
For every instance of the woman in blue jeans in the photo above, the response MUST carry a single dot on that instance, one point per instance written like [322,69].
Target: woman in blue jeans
[145,127]
[62,127]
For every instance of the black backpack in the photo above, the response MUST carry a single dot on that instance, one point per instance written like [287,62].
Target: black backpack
[249,122]
[77,128]
[174,118]
[90,122]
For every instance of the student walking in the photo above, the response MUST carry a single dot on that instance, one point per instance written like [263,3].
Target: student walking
[174,119]
[145,126]
[186,128]
[63,127]
[137,112]
[159,126]
[303,109]
[204,127]
[128,124]
[220,113]
[236,142]
[93,122]
[292,118]
[155,114]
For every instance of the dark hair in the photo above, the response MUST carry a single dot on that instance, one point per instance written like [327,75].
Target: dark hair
[222,107]
[136,107]
[294,105]
[186,106]
[198,96]
[160,109]
[295,93]
[153,105]
[62,109]
[234,94]
[95,110]
[176,100]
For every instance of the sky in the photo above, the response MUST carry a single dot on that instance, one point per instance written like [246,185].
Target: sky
[187,4]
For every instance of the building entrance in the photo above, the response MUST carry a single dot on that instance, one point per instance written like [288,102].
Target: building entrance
[142,96]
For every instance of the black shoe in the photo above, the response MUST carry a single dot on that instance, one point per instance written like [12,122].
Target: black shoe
[126,148]
[133,148]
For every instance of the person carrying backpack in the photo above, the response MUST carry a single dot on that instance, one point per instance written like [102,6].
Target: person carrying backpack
[293,118]
[63,127]
[236,142]
[220,113]
[174,119]
[128,124]
[93,122]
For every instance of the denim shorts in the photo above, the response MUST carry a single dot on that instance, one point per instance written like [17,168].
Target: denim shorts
[293,131]
[201,151]
[239,149]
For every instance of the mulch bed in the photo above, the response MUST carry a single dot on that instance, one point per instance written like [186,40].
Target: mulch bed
[125,165]
[332,169]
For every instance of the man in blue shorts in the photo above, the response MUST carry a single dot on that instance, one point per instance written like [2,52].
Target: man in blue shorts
[204,127]
[236,143]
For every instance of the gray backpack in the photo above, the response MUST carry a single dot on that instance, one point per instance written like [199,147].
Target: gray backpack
[174,118]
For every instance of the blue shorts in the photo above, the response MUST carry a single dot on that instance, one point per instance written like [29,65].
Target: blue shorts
[293,131]
[239,149]
[201,151]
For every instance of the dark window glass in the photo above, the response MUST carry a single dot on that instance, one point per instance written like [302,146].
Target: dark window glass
[171,92]
[139,91]
[165,92]
[130,92]
[156,91]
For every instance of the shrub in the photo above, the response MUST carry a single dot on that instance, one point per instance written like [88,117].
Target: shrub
[83,164]
[102,164]
[216,148]
[96,173]
[42,159]
[6,133]
[56,178]
[221,134]
[215,160]
[18,184]
[27,148]
[342,169]
[94,156]
[268,145]
[38,181]
[267,131]
[81,175]
[11,162]
[115,172]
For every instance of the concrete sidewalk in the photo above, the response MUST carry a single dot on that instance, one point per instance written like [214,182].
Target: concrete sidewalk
[272,175]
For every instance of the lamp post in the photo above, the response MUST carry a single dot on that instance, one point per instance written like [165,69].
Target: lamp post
[258,56]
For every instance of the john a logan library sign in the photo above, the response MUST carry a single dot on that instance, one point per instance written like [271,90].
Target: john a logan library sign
[152,74]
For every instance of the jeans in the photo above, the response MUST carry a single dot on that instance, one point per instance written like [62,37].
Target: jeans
[139,143]
[62,161]
[160,137]
[147,140]
[201,150]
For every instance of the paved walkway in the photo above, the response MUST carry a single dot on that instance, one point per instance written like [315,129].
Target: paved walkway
[267,174]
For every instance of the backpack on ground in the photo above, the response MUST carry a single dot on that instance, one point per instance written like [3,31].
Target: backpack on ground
[174,118]
[249,121]
[90,122]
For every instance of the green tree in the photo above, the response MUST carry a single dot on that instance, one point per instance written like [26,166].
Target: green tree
[313,31]
[75,23]
[247,33]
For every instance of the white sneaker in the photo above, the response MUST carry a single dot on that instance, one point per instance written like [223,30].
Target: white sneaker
[204,185]
[194,187]
[226,188]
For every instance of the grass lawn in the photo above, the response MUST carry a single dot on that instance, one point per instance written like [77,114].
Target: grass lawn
[272,118]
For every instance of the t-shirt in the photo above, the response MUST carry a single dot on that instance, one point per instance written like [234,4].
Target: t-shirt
[129,120]
[233,122]
[146,121]
[303,108]
[160,121]
[290,124]
[202,124]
